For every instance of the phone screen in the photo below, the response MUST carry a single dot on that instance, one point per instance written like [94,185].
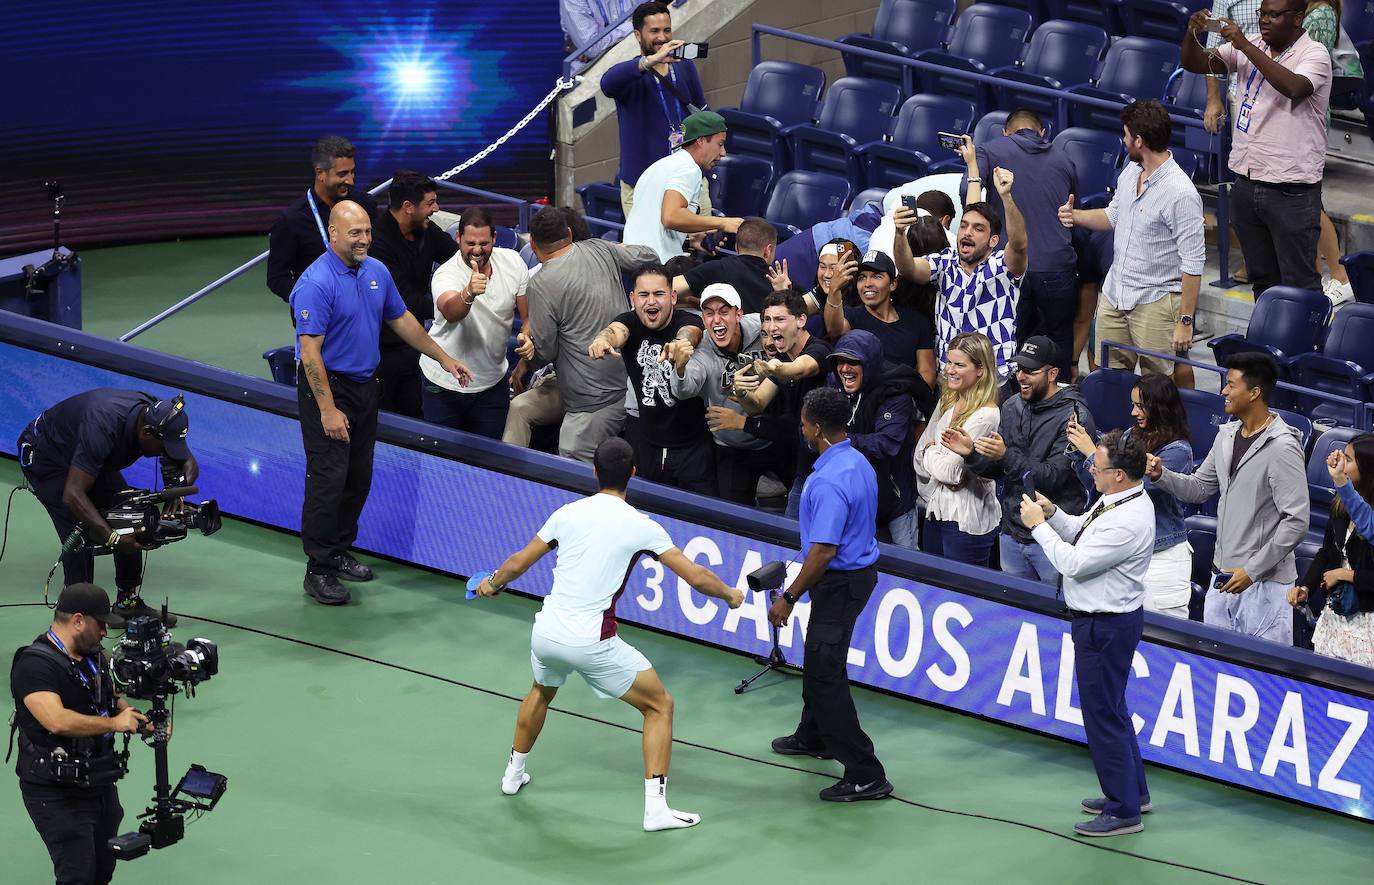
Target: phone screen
[950,141]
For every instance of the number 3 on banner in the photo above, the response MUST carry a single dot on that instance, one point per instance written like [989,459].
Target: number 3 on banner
[654,582]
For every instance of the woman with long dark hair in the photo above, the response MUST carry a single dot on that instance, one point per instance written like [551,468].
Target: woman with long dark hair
[1162,423]
[1346,557]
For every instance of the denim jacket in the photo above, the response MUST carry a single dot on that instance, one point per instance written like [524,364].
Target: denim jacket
[1169,526]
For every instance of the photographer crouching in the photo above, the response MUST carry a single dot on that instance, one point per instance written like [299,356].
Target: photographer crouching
[72,454]
[66,715]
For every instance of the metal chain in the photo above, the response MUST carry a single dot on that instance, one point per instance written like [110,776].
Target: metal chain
[562,85]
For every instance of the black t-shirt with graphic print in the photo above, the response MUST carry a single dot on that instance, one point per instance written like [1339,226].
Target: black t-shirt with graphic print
[666,421]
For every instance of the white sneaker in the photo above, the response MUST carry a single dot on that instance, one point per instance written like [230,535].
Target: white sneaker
[1339,293]
[668,819]
[511,785]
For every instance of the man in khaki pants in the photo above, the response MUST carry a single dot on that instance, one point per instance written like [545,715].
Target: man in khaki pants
[1151,291]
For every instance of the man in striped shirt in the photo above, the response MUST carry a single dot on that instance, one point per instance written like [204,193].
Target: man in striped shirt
[1151,291]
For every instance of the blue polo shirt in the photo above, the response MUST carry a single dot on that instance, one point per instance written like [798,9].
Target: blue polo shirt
[839,505]
[346,305]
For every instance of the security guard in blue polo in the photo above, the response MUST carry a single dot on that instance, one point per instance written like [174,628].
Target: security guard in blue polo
[71,456]
[339,304]
[838,513]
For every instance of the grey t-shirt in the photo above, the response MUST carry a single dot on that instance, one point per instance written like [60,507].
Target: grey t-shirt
[573,297]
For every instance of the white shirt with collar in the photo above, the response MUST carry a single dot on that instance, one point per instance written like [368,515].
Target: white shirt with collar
[1105,570]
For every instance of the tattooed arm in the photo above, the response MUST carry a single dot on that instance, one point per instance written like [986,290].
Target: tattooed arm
[317,376]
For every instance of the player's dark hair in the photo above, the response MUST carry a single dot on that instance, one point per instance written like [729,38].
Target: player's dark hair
[614,463]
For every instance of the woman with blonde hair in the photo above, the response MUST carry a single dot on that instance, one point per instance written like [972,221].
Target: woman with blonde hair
[962,512]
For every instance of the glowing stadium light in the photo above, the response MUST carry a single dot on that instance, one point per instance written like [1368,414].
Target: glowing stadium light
[411,77]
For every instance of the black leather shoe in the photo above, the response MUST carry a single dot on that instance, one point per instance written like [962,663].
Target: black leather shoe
[326,590]
[351,569]
[135,607]
[848,791]
[788,745]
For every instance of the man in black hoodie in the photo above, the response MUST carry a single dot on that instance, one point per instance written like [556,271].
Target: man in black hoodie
[1031,454]
[881,396]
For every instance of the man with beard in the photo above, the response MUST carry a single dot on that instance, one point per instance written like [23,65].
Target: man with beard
[732,342]
[477,293]
[339,305]
[1030,448]
[653,95]
[299,237]
[905,334]
[1151,291]
[749,272]
[670,439]
[404,240]
[978,287]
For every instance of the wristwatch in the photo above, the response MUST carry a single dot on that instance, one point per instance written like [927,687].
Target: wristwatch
[791,600]
[1186,319]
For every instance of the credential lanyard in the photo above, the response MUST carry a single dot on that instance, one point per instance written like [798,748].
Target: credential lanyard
[1249,99]
[1096,513]
[310,198]
[94,689]
[663,100]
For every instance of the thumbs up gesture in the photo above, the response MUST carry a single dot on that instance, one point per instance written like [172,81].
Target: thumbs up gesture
[1066,213]
[478,284]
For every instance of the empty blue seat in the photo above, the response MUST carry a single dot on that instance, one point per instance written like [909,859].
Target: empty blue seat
[915,139]
[801,199]
[1096,158]
[1344,366]
[1206,412]
[1107,393]
[506,238]
[1360,267]
[601,201]
[1357,17]
[985,36]
[864,197]
[1158,19]
[739,185]
[1301,423]
[1320,491]
[1135,67]
[902,27]
[1195,149]
[281,362]
[1099,13]
[779,94]
[1286,322]
[855,111]
[1061,54]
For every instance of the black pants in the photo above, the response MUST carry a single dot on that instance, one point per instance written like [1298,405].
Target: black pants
[829,718]
[399,380]
[1049,303]
[338,474]
[77,828]
[79,567]
[1104,647]
[738,471]
[690,467]
[1278,226]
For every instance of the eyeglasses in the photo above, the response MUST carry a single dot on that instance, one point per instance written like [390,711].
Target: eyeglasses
[1271,16]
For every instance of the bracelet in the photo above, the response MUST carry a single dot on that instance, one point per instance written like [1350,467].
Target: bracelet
[829,303]
[975,181]
[467,301]
[113,539]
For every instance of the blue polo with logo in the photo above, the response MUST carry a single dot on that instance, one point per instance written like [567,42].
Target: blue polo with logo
[346,305]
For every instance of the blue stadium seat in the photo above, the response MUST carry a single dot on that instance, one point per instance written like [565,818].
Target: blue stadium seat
[506,238]
[1206,412]
[779,94]
[1099,13]
[739,185]
[1320,491]
[863,198]
[1202,537]
[1344,366]
[601,200]
[985,36]
[1360,267]
[915,139]
[801,199]
[1301,423]
[1135,67]
[1097,157]
[1158,19]
[902,27]
[1357,17]
[281,362]
[1195,149]
[1061,54]
[1107,393]
[855,111]
[1286,321]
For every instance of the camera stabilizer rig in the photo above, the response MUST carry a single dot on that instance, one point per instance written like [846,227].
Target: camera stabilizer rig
[149,666]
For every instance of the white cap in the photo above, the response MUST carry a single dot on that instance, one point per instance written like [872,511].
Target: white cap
[725,292]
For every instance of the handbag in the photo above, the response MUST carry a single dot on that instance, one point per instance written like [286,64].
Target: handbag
[1342,600]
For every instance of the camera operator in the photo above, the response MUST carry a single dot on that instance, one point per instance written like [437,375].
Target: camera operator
[67,713]
[72,455]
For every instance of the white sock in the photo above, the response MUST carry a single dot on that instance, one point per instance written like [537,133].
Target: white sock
[517,762]
[515,776]
[657,814]
[655,795]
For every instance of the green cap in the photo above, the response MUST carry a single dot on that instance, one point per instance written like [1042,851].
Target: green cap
[701,124]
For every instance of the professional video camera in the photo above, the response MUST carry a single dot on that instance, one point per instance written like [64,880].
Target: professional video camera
[138,511]
[149,665]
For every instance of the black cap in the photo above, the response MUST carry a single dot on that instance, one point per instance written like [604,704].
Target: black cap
[89,600]
[1037,352]
[167,420]
[878,262]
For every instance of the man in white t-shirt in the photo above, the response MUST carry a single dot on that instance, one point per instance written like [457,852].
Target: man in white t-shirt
[476,295]
[598,539]
[668,193]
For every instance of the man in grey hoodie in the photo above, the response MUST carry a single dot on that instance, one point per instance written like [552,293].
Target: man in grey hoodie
[1256,463]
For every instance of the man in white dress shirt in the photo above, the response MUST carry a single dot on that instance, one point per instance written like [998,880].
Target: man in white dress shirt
[1103,556]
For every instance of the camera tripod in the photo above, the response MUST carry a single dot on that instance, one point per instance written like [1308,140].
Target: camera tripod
[773,661]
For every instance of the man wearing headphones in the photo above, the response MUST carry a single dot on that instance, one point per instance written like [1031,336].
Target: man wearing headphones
[72,455]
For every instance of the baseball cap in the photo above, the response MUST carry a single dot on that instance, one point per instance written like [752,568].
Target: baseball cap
[1036,353]
[89,600]
[878,262]
[725,292]
[167,420]
[701,124]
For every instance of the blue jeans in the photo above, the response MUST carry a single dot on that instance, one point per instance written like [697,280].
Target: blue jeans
[943,538]
[1027,561]
[481,413]
[794,498]
[1049,303]
[903,529]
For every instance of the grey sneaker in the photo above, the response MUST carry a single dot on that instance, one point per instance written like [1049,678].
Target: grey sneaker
[1106,825]
[1095,806]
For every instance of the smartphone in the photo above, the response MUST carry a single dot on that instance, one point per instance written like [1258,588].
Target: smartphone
[909,201]
[951,141]
[1028,483]
[1221,580]
[1214,25]
[849,251]
[692,50]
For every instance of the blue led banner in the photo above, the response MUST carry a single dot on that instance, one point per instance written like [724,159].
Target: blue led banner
[1216,718]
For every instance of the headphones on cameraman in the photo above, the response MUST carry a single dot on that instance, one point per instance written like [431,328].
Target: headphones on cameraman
[159,428]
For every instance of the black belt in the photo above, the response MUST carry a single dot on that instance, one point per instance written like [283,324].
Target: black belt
[841,572]
[1280,183]
[1075,614]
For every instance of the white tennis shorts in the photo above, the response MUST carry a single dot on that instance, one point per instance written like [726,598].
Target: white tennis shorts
[609,666]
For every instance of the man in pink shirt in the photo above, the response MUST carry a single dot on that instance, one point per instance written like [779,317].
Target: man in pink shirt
[1278,147]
